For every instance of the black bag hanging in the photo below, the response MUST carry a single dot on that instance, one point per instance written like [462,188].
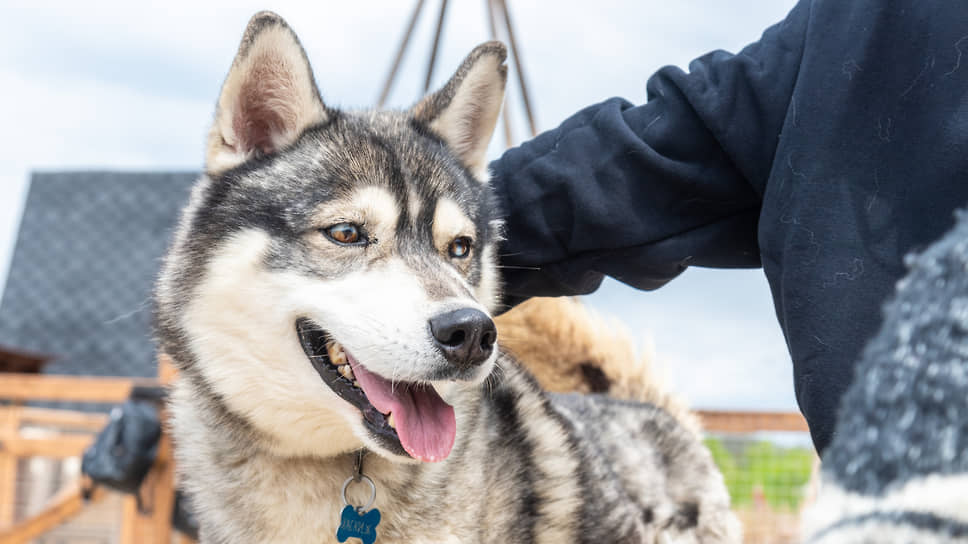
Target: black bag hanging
[125,449]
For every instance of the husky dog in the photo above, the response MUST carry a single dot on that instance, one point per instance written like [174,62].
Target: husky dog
[329,293]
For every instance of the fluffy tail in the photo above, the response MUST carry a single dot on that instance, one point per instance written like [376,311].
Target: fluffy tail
[570,348]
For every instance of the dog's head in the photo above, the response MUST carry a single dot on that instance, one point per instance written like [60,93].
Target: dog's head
[334,274]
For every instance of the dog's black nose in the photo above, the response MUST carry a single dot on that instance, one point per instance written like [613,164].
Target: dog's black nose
[465,337]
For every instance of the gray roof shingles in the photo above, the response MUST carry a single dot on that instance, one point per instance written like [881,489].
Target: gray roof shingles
[83,269]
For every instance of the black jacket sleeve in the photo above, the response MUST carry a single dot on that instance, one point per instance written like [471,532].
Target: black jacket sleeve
[641,192]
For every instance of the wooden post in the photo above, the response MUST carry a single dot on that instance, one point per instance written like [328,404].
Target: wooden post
[518,66]
[400,51]
[9,431]
[506,110]
[153,526]
[436,46]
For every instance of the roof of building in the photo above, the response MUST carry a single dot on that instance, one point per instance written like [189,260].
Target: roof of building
[24,362]
[83,268]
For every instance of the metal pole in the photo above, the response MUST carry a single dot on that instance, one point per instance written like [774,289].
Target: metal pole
[517,66]
[400,51]
[505,111]
[433,51]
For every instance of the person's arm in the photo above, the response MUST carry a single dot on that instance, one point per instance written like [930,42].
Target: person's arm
[641,192]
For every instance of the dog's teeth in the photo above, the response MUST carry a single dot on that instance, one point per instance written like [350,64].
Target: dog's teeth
[336,354]
[390,421]
[347,372]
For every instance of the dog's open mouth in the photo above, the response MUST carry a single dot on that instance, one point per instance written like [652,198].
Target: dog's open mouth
[406,417]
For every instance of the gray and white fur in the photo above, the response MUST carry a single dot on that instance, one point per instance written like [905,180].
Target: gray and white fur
[897,469]
[263,444]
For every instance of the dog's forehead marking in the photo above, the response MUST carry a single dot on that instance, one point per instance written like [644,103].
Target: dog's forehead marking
[372,205]
[414,201]
[450,221]
[376,204]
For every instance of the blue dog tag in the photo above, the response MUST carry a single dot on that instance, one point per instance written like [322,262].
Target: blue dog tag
[361,526]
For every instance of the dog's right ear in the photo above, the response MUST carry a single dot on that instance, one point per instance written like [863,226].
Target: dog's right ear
[268,99]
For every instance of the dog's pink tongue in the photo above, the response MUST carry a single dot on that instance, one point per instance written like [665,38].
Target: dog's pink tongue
[425,423]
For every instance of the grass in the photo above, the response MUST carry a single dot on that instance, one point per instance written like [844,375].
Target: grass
[760,471]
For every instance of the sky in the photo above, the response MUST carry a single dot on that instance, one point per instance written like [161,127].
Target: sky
[130,85]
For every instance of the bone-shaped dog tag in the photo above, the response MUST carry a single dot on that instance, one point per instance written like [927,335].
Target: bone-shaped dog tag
[361,526]
[358,521]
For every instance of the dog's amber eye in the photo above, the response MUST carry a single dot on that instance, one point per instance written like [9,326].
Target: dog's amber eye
[460,247]
[346,233]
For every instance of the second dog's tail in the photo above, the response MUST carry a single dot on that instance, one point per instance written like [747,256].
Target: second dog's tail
[570,348]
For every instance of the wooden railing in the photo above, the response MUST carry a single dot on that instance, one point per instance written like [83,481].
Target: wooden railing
[31,387]
[74,432]
[720,421]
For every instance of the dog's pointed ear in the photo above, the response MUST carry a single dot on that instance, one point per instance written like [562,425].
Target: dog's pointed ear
[268,98]
[464,112]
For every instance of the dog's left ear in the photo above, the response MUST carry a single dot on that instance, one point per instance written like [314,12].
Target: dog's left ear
[268,99]
[465,111]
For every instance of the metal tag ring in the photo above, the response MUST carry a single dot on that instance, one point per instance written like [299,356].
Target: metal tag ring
[363,478]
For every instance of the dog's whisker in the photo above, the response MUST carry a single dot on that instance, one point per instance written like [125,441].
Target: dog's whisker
[513,267]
